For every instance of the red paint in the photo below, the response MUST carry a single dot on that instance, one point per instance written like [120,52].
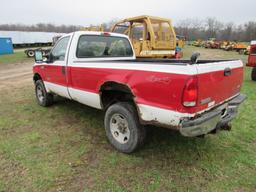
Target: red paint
[157,89]
[252,57]
[218,87]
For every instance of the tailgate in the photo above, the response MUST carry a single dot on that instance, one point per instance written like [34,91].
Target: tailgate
[218,82]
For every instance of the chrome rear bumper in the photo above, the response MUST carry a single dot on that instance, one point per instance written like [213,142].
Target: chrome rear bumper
[211,120]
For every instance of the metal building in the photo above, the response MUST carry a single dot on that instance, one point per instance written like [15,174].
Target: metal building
[6,46]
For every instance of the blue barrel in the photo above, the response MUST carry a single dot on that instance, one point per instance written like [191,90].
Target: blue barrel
[6,46]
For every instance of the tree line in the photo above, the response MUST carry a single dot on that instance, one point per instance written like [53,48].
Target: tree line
[192,29]
[41,27]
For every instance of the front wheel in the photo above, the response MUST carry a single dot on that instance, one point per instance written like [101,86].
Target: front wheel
[253,75]
[43,98]
[122,127]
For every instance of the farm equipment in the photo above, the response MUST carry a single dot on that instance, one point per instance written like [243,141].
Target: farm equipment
[245,51]
[198,43]
[31,52]
[181,41]
[45,51]
[93,28]
[252,60]
[236,46]
[212,43]
[229,46]
[223,44]
[152,37]
[240,47]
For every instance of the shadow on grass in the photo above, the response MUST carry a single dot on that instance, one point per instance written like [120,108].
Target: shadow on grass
[159,140]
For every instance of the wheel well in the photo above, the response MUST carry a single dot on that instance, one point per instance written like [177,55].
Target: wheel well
[112,92]
[36,77]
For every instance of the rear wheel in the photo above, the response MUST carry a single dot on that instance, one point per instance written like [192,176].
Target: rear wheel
[122,127]
[253,75]
[30,53]
[43,98]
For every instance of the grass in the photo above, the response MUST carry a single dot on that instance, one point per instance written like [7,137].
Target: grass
[17,56]
[64,148]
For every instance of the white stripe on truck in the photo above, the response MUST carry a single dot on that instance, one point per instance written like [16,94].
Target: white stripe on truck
[176,69]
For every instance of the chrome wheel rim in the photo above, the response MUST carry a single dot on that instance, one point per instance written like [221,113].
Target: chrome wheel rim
[40,94]
[119,128]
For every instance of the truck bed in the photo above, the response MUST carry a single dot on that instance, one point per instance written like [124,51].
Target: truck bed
[218,80]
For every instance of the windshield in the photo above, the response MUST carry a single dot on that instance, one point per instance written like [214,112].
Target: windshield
[121,28]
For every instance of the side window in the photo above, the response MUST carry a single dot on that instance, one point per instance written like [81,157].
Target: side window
[103,46]
[137,31]
[59,51]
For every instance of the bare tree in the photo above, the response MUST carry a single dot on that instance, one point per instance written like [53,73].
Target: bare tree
[191,28]
[213,27]
[227,32]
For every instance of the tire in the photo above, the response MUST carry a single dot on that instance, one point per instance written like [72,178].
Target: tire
[253,74]
[43,98]
[30,53]
[241,52]
[122,127]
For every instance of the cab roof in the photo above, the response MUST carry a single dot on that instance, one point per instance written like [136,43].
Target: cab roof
[97,33]
[139,18]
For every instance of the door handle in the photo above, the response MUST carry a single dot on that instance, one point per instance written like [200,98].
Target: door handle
[227,72]
[63,70]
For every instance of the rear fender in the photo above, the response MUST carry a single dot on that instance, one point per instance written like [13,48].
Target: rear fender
[252,57]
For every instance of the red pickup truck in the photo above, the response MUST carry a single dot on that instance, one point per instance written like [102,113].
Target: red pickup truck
[195,97]
[252,60]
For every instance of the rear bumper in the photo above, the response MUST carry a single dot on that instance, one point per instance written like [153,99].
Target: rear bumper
[214,119]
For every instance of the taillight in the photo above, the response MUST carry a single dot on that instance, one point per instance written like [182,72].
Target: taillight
[190,92]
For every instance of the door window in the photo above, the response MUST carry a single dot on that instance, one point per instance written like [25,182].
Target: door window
[137,31]
[59,51]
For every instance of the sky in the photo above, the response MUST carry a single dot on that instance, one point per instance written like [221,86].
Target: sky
[86,12]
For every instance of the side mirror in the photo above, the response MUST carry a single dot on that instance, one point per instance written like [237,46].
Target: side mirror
[39,57]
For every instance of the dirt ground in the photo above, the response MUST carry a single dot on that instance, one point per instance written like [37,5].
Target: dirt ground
[15,74]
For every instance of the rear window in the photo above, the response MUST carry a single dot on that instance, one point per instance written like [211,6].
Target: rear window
[103,46]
